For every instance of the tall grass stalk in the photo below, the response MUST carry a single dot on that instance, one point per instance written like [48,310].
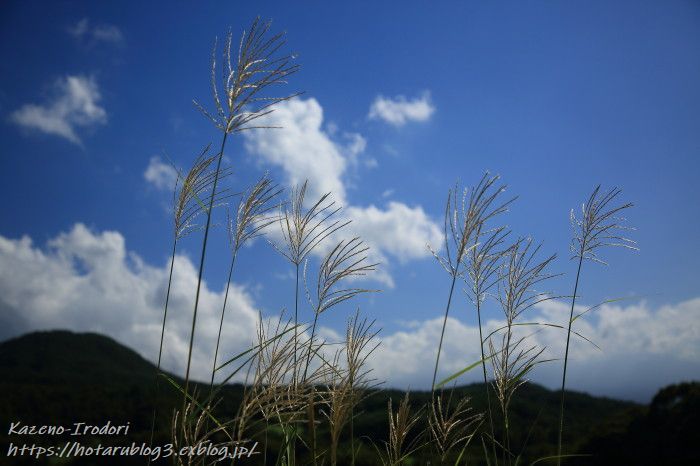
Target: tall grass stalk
[347,260]
[252,217]
[257,68]
[598,226]
[463,218]
[303,229]
[514,360]
[485,257]
[187,194]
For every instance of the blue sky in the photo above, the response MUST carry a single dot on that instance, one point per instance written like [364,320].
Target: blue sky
[555,98]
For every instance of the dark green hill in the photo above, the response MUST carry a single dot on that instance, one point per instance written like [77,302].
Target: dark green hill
[61,377]
[65,357]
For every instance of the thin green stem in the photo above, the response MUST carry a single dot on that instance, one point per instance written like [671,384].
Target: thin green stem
[267,427]
[221,323]
[308,352]
[167,299]
[296,320]
[312,426]
[442,334]
[352,427]
[291,447]
[566,355]
[486,384]
[201,268]
[160,348]
[506,450]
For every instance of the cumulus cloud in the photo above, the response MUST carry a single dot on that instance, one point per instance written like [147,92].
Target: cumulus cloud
[304,150]
[301,148]
[88,281]
[75,104]
[399,230]
[84,31]
[399,110]
[161,175]
[641,349]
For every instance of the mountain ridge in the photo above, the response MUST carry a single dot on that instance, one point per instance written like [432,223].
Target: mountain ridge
[64,376]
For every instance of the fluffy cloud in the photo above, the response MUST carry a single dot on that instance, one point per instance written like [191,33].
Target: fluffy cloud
[87,281]
[399,110]
[305,151]
[76,104]
[301,148]
[161,175]
[399,230]
[641,349]
[83,31]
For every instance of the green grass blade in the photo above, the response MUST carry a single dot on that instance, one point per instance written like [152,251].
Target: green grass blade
[546,458]
[191,398]
[463,371]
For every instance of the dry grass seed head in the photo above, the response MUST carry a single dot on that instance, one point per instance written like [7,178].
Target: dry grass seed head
[360,343]
[338,399]
[254,213]
[257,68]
[451,425]
[304,229]
[402,442]
[273,393]
[483,262]
[519,276]
[465,215]
[347,260]
[511,365]
[599,225]
[192,190]
[191,427]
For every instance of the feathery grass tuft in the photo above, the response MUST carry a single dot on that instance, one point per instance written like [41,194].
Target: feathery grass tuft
[598,227]
[464,219]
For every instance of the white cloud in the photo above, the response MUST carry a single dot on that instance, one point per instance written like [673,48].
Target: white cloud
[399,110]
[88,281]
[161,175]
[399,230]
[642,349]
[76,104]
[356,146]
[99,33]
[305,151]
[301,148]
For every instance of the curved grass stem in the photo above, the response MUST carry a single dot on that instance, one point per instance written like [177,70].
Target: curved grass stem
[566,360]
[442,334]
[221,323]
[201,265]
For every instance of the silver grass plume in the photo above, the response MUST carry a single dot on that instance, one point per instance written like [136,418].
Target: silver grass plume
[451,426]
[513,360]
[599,226]
[303,229]
[347,260]
[465,217]
[252,217]
[193,190]
[257,67]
